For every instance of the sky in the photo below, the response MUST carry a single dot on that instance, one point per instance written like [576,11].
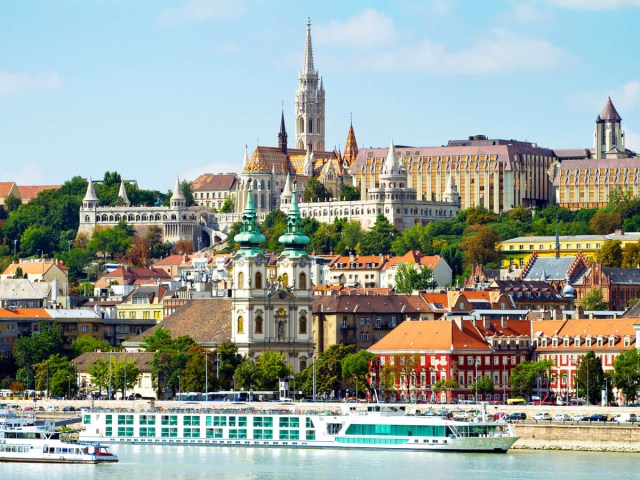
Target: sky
[158,88]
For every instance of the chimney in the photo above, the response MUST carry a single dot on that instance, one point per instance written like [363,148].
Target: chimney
[486,323]
[458,321]
[503,322]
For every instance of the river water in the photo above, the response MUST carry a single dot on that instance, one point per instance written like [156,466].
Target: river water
[191,463]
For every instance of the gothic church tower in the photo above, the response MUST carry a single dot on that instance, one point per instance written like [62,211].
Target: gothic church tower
[309,104]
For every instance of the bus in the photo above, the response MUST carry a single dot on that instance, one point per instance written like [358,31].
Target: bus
[227,396]
[516,401]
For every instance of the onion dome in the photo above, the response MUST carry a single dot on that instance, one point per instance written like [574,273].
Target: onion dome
[294,239]
[249,237]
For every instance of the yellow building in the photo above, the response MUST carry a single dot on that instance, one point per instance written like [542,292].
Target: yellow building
[516,252]
[143,303]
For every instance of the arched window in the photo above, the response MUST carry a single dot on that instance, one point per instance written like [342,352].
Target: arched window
[261,184]
[285,279]
[258,283]
[302,325]
[302,281]
[258,324]
[86,218]
[310,126]
[240,280]
[240,324]
[303,364]
[301,125]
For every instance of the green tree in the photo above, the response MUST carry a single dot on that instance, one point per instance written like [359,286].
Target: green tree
[199,367]
[100,374]
[227,359]
[524,375]
[610,253]
[352,235]
[480,216]
[590,377]
[37,238]
[12,203]
[626,373]
[603,223]
[37,347]
[630,255]
[273,366]
[594,300]
[55,375]
[315,191]
[329,380]
[483,384]
[350,193]
[76,260]
[480,247]
[248,375]
[520,213]
[378,240]
[229,205]
[355,370]
[408,279]
[111,241]
[87,343]
[443,385]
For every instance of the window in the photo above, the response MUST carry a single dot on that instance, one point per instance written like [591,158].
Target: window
[258,280]
[240,280]
[84,329]
[258,324]
[302,281]
[240,324]
[393,320]
[302,325]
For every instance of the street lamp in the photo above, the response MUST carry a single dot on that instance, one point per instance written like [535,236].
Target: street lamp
[314,374]
[68,387]
[477,363]
[588,363]
[206,375]
[14,247]
[179,386]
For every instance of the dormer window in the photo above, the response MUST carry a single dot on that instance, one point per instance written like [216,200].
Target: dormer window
[554,343]
[612,341]
[566,342]
[600,341]
[627,341]
[577,341]
[544,343]
[587,342]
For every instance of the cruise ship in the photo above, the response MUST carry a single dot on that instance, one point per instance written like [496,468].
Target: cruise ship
[269,425]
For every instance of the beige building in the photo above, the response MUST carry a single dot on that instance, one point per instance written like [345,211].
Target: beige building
[212,189]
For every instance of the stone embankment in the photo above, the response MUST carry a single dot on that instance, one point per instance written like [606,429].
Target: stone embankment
[603,438]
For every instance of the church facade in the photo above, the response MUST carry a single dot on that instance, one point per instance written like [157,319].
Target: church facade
[271,309]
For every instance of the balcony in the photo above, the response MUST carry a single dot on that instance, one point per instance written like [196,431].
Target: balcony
[380,325]
[348,341]
[346,328]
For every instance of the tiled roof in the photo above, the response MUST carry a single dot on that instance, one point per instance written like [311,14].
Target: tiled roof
[29,192]
[11,313]
[266,159]
[155,291]
[585,327]
[438,302]
[625,276]
[609,112]
[142,360]
[359,262]
[32,268]
[403,304]
[170,260]
[572,153]
[204,320]
[217,181]
[5,188]
[511,328]
[23,289]
[431,335]
[552,268]
[610,163]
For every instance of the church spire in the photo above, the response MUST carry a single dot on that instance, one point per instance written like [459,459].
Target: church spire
[246,157]
[122,194]
[351,147]
[282,136]
[294,239]
[90,196]
[309,103]
[177,199]
[309,163]
[249,237]
[308,68]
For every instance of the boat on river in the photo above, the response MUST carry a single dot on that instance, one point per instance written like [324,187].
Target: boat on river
[21,440]
[269,425]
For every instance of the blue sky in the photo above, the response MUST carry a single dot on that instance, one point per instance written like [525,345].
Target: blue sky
[159,88]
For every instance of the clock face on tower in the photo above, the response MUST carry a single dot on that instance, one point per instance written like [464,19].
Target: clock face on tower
[303,262]
[241,261]
[258,261]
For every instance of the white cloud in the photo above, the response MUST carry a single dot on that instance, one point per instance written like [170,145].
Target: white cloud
[628,95]
[502,51]
[16,83]
[201,11]
[632,140]
[596,4]
[625,98]
[370,28]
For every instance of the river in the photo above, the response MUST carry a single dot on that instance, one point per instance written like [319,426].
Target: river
[190,463]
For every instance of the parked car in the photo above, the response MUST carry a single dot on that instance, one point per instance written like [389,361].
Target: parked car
[625,418]
[562,417]
[68,409]
[515,416]
[580,417]
[599,417]
[542,416]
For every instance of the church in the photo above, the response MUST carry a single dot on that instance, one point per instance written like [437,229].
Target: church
[272,312]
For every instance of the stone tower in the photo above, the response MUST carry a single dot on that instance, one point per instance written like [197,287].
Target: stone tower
[609,137]
[309,104]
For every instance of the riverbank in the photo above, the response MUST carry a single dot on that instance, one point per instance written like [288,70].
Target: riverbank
[576,437]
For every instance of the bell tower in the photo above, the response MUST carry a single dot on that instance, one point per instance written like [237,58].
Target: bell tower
[309,103]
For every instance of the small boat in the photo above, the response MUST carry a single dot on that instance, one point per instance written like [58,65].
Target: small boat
[21,440]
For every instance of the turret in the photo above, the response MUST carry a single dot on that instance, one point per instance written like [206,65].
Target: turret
[122,195]
[177,199]
[451,191]
[90,199]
